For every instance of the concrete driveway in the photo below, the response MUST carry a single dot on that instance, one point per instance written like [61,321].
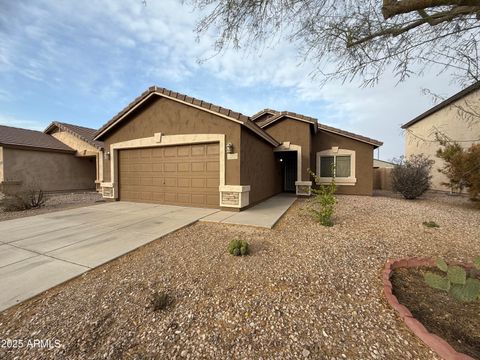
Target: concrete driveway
[39,252]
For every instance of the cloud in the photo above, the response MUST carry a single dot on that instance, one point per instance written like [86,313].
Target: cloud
[95,57]
[22,123]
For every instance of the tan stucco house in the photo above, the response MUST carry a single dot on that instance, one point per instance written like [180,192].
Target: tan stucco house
[169,148]
[80,139]
[63,158]
[456,117]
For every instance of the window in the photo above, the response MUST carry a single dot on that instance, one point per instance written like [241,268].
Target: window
[336,162]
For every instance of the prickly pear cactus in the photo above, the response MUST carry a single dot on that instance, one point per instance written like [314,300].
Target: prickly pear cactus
[457,275]
[468,292]
[476,262]
[442,265]
[462,286]
[436,281]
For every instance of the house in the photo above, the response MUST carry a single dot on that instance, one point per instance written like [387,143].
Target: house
[169,148]
[80,139]
[457,118]
[51,161]
[382,174]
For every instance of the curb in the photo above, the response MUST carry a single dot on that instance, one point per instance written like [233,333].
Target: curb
[434,342]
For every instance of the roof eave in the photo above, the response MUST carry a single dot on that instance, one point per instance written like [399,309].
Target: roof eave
[153,91]
[459,95]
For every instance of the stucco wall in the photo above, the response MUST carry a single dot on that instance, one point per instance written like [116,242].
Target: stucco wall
[48,171]
[1,164]
[363,158]
[298,133]
[259,168]
[83,148]
[169,117]
[420,137]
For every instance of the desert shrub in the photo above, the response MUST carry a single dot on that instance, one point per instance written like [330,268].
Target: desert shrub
[462,166]
[324,201]
[430,224]
[238,248]
[23,200]
[411,177]
[159,300]
[462,285]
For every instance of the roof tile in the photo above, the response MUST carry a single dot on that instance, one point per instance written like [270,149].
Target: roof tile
[30,138]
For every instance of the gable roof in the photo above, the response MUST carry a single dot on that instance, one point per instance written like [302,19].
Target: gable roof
[189,101]
[443,104]
[288,114]
[272,112]
[277,115]
[350,135]
[16,137]
[83,133]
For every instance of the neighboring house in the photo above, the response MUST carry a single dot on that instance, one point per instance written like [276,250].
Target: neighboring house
[378,164]
[34,160]
[81,139]
[170,148]
[458,117]
[382,174]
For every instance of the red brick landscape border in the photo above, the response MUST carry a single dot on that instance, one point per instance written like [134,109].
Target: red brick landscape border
[436,343]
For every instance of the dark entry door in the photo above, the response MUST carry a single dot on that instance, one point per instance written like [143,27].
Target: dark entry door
[289,171]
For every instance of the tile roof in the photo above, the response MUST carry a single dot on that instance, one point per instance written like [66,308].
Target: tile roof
[443,104]
[11,136]
[351,135]
[83,133]
[272,112]
[235,116]
[292,115]
[279,114]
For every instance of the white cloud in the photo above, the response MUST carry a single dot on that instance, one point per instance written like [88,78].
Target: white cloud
[104,47]
[9,120]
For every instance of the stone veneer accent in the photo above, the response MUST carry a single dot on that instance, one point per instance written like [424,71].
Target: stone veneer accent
[230,198]
[108,192]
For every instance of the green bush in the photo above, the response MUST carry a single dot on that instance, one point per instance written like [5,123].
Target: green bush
[461,166]
[238,248]
[324,201]
[430,224]
[457,282]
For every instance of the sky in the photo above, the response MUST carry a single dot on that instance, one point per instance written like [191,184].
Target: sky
[82,62]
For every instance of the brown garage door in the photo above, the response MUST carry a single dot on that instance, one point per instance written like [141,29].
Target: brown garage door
[186,175]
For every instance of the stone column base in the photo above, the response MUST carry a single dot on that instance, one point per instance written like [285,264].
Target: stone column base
[235,196]
[304,188]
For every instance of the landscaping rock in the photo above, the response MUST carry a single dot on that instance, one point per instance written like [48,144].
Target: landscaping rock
[303,288]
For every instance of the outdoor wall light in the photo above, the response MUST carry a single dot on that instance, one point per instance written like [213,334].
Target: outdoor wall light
[229,148]
[106,155]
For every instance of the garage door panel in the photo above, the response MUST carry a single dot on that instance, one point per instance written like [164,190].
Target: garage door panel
[199,183]
[183,167]
[198,167]
[186,175]
[213,166]
[198,150]
[184,183]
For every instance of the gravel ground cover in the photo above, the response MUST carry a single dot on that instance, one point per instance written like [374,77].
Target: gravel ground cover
[56,202]
[305,291]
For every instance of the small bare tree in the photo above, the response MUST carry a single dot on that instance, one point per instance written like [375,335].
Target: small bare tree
[359,38]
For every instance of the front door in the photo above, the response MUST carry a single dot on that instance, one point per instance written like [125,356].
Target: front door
[289,169]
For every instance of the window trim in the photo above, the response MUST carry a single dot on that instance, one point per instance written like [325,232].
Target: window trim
[336,151]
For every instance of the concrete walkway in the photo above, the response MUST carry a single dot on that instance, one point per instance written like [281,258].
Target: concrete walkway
[40,252]
[266,214]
